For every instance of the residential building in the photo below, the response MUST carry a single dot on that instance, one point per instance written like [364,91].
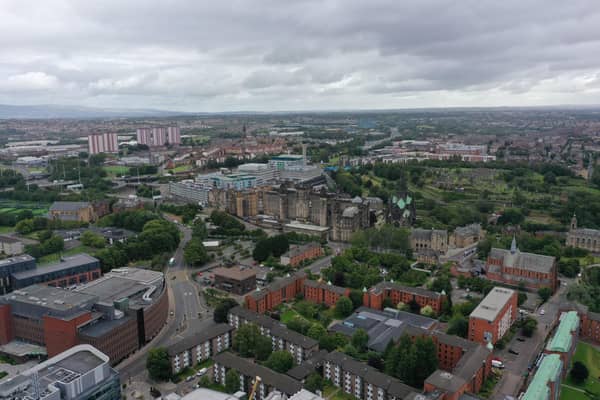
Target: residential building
[265,174]
[299,346]
[68,271]
[363,381]
[323,293]
[583,238]
[279,291]
[11,246]
[158,136]
[248,371]
[299,253]
[545,384]
[103,143]
[12,265]
[514,267]
[493,317]
[80,211]
[239,279]
[590,326]
[382,326]
[79,373]
[395,293]
[564,340]
[199,345]
[190,190]
[117,313]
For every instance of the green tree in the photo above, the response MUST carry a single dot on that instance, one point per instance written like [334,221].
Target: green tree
[528,326]
[314,382]
[343,307]
[579,372]
[158,364]
[195,254]
[427,311]
[316,331]
[458,325]
[280,361]
[245,340]
[360,339]
[199,230]
[332,341]
[544,293]
[263,348]
[232,381]
[222,310]
[92,239]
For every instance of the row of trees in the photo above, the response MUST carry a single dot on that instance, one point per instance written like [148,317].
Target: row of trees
[411,361]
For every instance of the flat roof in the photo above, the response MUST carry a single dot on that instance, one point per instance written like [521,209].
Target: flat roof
[548,371]
[307,227]
[66,263]
[122,283]
[490,306]
[16,259]
[562,339]
[238,272]
[50,297]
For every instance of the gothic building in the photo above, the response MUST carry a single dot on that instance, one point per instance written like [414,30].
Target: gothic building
[583,238]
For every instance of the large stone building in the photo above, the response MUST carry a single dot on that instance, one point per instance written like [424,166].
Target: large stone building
[80,211]
[583,238]
[428,244]
[464,236]
[514,267]
[343,215]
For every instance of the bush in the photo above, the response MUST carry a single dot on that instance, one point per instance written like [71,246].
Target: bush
[280,361]
[343,307]
[579,372]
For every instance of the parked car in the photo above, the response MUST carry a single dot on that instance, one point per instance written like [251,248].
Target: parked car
[202,371]
[513,351]
[520,339]
[542,312]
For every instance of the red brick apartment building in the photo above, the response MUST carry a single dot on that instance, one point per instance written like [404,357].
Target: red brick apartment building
[514,267]
[282,290]
[494,316]
[323,293]
[590,326]
[375,296]
[299,253]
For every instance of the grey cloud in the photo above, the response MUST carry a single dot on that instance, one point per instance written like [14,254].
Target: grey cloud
[304,54]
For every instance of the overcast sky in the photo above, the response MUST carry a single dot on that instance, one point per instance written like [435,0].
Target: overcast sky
[224,55]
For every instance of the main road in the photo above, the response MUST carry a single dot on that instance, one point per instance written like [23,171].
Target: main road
[184,306]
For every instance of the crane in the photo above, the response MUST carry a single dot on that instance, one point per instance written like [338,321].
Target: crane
[254,386]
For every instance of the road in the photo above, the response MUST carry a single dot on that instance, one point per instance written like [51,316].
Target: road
[184,303]
[516,365]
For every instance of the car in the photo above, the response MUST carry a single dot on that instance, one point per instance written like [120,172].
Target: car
[520,339]
[202,371]
[172,313]
[513,351]
[542,312]
[189,378]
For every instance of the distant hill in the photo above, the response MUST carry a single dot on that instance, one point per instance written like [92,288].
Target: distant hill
[60,111]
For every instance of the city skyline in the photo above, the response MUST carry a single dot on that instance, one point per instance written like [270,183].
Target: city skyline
[303,56]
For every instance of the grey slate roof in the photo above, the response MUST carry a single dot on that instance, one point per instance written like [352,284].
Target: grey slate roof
[445,381]
[198,338]
[276,328]
[414,290]
[281,382]
[277,284]
[522,260]
[68,205]
[321,285]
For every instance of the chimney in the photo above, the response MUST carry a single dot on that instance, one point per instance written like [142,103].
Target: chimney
[304,146]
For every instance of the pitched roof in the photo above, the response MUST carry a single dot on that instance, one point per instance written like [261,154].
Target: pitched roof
[325,286]
[247,367]
[522,260]
[277,284]
[408,289]
[68,205]
[238,273]
[198,338]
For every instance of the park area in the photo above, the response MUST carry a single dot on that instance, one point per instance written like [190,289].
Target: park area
[590,389]
[116,170]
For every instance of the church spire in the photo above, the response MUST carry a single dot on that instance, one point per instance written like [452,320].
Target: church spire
[513,245]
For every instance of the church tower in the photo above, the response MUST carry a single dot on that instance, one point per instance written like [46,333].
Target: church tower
[574,222]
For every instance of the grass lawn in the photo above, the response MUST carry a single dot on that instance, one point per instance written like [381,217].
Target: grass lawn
[288,315]
[589,356]
[183,168]
[6,229]
[116,169]
[567,393]
[54,257]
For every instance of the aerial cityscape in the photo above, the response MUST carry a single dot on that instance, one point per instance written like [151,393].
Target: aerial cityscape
[299,201]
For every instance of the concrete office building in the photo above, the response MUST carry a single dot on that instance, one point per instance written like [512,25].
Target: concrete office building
[191,191]
[493,317]
[68,271]
[117,313]
[12,265]
[103,143]
[79,373]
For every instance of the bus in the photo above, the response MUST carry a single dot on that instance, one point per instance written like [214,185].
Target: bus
[172,261]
